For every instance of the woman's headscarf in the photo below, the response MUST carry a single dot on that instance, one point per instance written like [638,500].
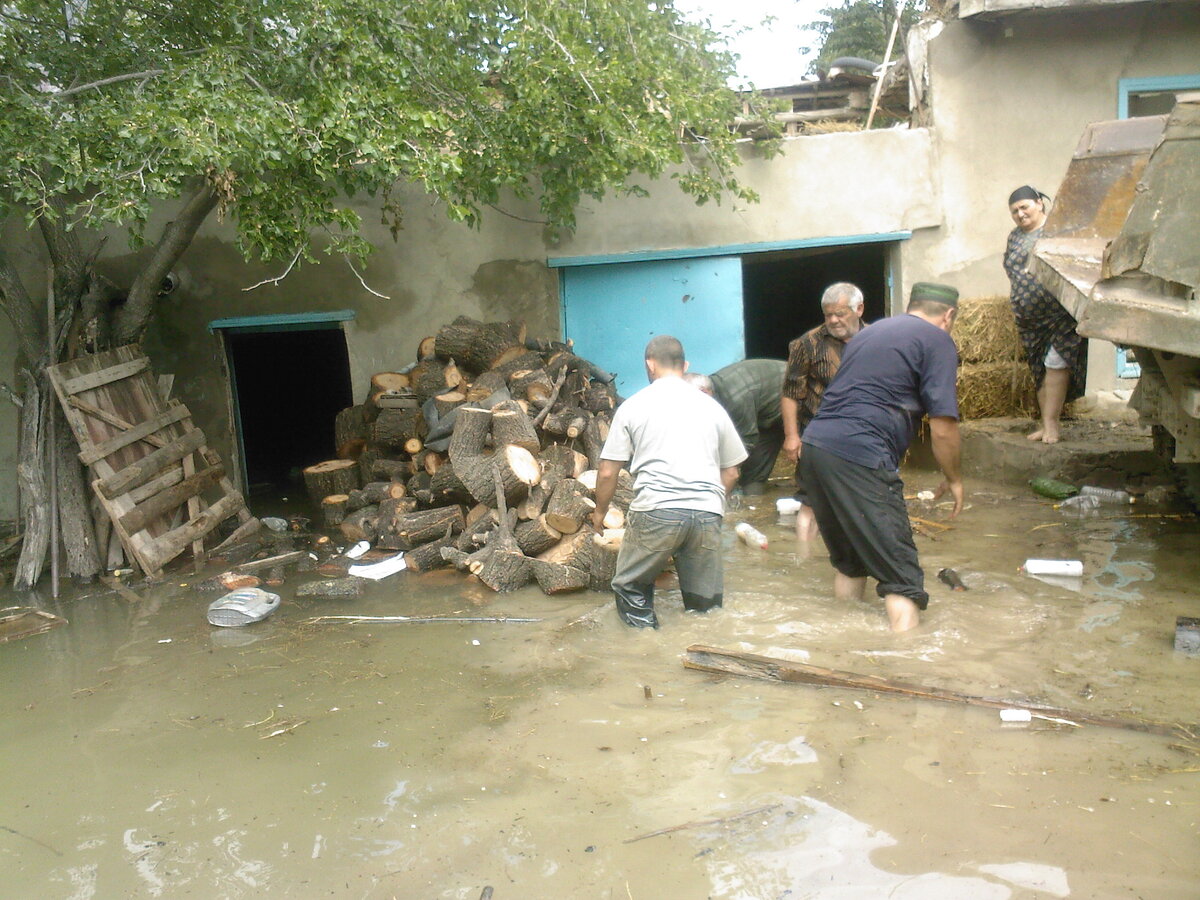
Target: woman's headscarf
[1025,192]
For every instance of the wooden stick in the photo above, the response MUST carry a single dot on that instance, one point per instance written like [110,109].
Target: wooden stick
[732,662]
[417,620]
[705,822]
[270,562]
[558,383]
[926,522]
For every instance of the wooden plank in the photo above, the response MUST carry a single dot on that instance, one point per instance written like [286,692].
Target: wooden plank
[164,549]
[137,433]
[92,380]
[113,420]
[18,622]
[149,466]
[282,559]
[171,476]
[250,525]
[170,499]
[734,662]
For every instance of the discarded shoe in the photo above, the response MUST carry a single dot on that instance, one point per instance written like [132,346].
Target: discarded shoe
[242,607]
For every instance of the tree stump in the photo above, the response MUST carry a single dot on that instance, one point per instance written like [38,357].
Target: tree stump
[334,476]
[510,425]
[536,535]
[569,507]
[406,530]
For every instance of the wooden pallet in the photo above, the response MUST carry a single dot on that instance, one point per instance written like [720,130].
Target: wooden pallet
[151,470]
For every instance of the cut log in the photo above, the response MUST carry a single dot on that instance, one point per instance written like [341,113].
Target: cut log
[389,382]
[510,425]
[505,570]
[614,518]
[447,487]
[605,548]
[429,379]
[443,403]
[599,398]
[565,359]
[360,525]
[477,512]
[478,345]
[622,496]
[574,550]
[403,531]
[395,427]
[347,588]
[428,556]
[534,503]
[433,461]
[413,445]
[425,349]
[350,425]
[484,386]
[455,557]
[378,491]
[568,462]
[475,534]
[518,470]
[334,509]
[472,427]
[519,361]
[169,500]
[553,578]
[569,506]
[533,385]
[569,422]
[536,536]
[334,476]
[389,470]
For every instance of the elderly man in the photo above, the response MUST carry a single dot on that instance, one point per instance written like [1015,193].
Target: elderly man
[813,360]
[894,372]
[683,453]
[749,391]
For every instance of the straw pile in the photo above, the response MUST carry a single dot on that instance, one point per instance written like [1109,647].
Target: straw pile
[993,379]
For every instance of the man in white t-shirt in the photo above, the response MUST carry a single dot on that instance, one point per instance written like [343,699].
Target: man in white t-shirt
[683,451]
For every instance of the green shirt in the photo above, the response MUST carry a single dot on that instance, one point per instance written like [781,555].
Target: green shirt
[750,391]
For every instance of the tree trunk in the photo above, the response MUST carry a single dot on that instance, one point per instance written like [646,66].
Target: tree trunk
[35,494]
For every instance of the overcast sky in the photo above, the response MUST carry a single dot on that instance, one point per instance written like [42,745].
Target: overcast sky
[770,53]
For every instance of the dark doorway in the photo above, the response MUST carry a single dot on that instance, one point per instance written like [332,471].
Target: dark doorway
[287,387]
[781,292]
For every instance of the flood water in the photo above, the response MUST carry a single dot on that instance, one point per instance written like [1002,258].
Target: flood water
[144,753]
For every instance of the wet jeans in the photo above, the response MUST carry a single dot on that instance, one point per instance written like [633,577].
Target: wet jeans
[652,538]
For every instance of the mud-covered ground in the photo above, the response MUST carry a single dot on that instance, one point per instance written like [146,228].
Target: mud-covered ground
[144,753]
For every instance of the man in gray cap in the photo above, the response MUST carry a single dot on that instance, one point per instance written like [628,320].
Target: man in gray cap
[891,374]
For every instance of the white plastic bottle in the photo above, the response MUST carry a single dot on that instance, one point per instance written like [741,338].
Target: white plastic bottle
[751,535]
[1053,567]
[1106,495]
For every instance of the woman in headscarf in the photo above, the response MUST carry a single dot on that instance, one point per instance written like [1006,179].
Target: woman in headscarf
[1056,354]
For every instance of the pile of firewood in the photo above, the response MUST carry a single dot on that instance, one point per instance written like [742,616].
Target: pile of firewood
[481,456]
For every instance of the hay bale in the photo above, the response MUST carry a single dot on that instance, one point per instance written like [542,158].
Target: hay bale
[991,389]
[985,331]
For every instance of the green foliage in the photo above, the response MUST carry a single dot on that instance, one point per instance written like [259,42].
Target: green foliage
[861,28]
[286,108]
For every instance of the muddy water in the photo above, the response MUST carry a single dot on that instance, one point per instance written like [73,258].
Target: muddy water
[145,754]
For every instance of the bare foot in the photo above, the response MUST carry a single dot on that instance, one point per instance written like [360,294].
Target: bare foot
[1049,438]
[1035,436]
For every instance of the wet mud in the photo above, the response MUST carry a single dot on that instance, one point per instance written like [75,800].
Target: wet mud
[144,753]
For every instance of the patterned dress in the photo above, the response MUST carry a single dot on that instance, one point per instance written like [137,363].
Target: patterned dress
[1042,321]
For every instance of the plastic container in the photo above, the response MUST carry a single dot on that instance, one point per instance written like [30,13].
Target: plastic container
[751,535]
[1106,495]
[787,506]
[1053,567]
[1050,487]
[1079,503]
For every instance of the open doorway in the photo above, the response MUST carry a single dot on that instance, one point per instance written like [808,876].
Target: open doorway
[781,291]
[287,386]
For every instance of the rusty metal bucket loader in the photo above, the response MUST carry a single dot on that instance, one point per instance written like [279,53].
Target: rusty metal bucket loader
[1121,251]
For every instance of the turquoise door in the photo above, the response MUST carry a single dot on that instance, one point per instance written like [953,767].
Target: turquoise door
[611,310]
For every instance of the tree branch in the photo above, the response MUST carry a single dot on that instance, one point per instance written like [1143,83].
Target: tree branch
[277,278]
[104,82]
[135,315]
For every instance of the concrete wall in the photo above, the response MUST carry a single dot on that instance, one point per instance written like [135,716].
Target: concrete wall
[1009,99]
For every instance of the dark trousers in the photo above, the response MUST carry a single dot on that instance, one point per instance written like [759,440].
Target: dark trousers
[652,538]
[864,522]
[758,465]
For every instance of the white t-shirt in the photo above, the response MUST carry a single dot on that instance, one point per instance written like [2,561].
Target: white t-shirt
[676,440]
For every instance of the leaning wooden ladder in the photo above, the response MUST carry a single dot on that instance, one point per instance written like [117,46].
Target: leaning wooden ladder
[149,464]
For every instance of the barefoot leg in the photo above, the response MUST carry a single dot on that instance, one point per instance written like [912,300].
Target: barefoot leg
[1052,396]
[903,614]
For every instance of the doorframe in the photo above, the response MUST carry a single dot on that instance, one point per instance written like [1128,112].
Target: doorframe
[274,322]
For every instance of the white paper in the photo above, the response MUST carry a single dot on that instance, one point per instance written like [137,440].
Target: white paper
[358,550]
[381,569]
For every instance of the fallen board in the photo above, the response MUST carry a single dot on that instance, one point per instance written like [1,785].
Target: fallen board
[733,662]
[158,483]
[18,622]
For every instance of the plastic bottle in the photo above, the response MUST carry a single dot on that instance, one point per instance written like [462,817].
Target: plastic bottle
[1080,503]
[751,535]
[1106,495]
[1053,567]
